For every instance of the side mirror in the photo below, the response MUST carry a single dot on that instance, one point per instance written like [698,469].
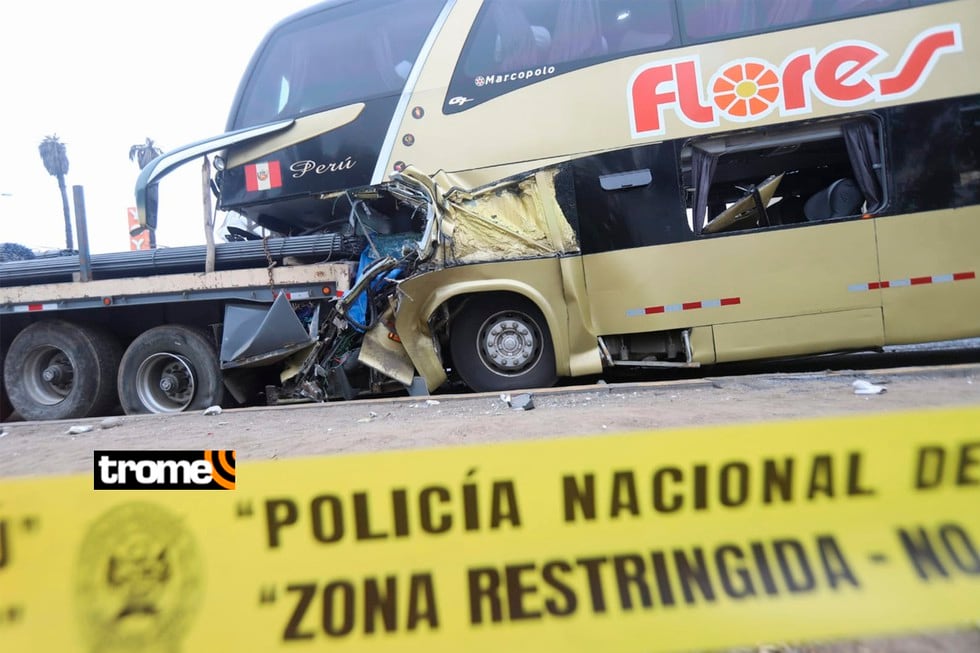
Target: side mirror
[146,185]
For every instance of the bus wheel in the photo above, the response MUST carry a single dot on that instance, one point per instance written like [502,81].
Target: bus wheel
[501,342]
[169,369]
[59,370]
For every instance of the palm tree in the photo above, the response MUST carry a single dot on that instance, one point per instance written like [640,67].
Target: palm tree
[55,159]
[142,154]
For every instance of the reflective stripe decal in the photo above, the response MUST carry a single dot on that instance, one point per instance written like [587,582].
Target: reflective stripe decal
[31,308]
[685,306]
[912,281]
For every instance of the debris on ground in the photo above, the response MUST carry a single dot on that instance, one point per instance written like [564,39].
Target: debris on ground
[212,410]
[862,387]
[78,430]
[431,402]
[110,423]
[519,402]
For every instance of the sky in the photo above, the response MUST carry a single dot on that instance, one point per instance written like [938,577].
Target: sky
[104,76]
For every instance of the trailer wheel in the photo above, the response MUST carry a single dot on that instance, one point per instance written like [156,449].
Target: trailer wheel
[501,342]
[5,408]
[169,369]
[60,370]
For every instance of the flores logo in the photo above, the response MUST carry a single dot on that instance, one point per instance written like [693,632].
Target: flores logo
[846,73]
[165,470]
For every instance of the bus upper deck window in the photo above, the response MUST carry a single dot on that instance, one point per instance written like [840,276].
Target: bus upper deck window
[857,7]
[709,19]
[779,13]
[577,32]
[505,40]
[643,26]
[338,55]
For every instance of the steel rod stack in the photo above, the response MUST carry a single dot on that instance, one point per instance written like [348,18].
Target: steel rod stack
[174,260]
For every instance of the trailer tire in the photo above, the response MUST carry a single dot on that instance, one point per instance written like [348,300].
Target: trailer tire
[46,362]
[5,408]
[170,369]
[501,341]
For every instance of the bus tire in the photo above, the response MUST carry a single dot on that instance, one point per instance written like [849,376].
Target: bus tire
[170,369]
[501,341]
[60,370]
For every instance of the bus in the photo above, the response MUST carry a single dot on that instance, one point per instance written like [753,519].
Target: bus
[644,183]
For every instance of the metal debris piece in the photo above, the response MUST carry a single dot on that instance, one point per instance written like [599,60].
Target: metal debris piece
[418,387]
[78,430]
[370,418]
[259,335]
[862,387]
[110,423]
[521,402]
[431,402]
[212,410]
[386,354]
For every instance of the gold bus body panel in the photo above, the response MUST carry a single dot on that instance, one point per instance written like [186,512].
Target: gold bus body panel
[791,336]
[771,274]
[938,255]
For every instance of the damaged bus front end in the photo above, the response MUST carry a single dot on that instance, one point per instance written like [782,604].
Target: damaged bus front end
[394,328]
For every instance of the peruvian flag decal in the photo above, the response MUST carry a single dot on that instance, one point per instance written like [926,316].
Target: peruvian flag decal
[262,176]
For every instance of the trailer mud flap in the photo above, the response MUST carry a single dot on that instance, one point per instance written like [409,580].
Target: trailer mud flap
[255,336]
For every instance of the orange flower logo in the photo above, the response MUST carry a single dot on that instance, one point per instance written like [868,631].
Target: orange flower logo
[746,90]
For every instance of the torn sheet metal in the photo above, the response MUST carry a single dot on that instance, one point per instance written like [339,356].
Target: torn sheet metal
[260,335]
[382,351]
[508,220]
[511,219]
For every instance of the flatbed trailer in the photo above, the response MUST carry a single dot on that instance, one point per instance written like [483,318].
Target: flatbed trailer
[150,343]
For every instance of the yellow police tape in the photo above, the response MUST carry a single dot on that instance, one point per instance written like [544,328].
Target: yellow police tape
[655,541]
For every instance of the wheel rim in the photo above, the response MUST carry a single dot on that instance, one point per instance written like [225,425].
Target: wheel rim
[165,383]
[509,343]
[49,375]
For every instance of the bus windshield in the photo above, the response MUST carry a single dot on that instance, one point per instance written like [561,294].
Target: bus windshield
[342,54]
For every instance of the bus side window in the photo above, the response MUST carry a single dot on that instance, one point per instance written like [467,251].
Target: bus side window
[516,43]
[586,29]
[640,25]
[714,19]
[847,8]
[719,19]
[801,175]
[505,40]
[781,13]
[577,33]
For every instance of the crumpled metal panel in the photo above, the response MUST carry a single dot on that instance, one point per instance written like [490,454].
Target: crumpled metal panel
[509,220]
[258,335]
